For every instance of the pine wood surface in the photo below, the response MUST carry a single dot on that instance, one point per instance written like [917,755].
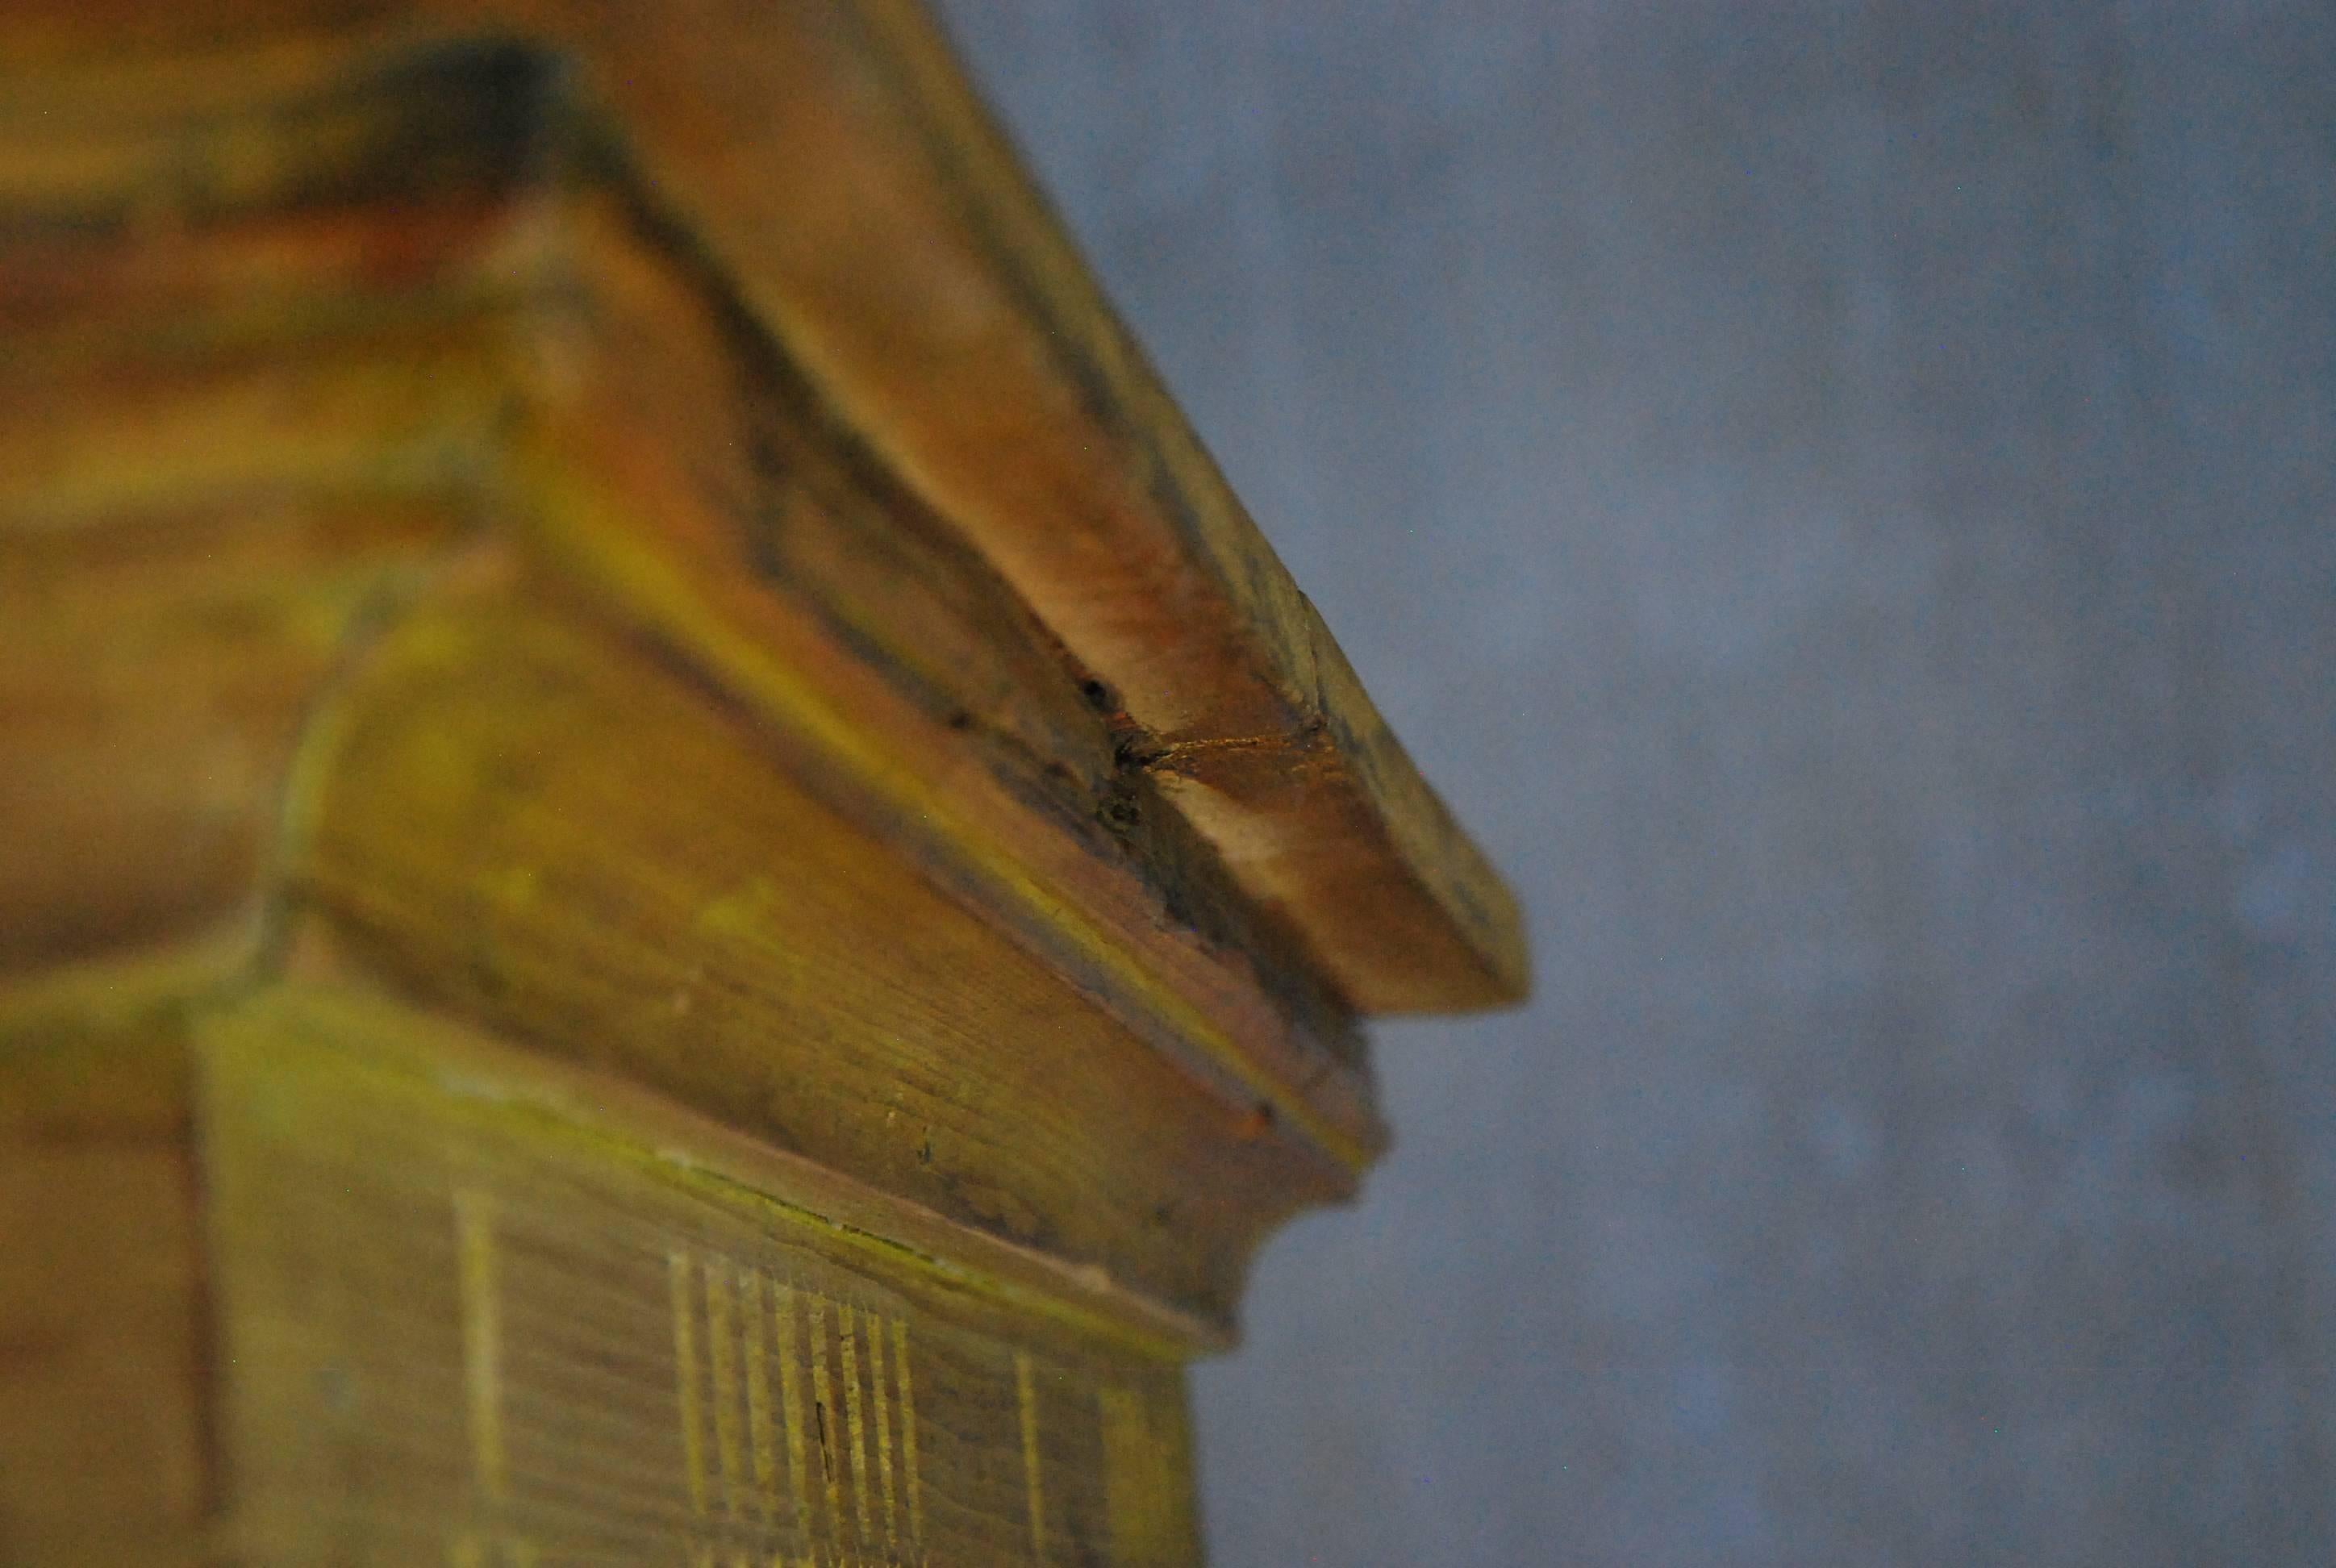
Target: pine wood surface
[627,722]
[486,1324]
[830,164]
[533,824]
[105,1449]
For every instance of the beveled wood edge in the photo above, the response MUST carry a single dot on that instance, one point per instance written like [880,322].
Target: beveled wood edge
[380,1030]
[840,168]
[257,963]
[1222,1006]
[1226,1008]
[1425,870]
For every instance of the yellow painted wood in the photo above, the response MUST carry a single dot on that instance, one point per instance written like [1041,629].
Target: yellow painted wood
[675,883]
[928,303]
[459,1320]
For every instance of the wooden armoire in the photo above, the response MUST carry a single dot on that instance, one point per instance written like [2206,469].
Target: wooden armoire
[677,884]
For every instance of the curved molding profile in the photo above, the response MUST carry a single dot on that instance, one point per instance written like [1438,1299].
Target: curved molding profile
[827,160]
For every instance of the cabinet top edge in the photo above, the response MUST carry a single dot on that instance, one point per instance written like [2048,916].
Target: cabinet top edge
[836,165]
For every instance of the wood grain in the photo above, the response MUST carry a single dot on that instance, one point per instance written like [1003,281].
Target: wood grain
[466,1323]
[104,1429]
[831,163]
[678,883]
[569,369]
[691,484]
[516,814]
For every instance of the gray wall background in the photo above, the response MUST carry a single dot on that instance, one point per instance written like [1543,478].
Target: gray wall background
[1842,499]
